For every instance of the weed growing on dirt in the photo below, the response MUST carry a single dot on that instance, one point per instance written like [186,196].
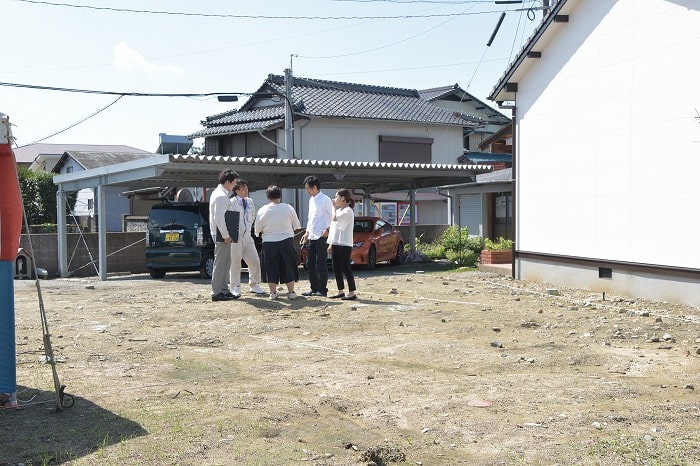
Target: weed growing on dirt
[647,450]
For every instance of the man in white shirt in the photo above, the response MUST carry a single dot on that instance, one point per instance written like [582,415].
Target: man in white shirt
[219,204]
[317,226]
[245,247]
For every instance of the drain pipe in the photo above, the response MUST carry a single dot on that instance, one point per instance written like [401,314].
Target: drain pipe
[450,203]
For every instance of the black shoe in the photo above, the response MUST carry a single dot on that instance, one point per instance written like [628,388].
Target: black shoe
[349,298]
[230,295]
[220,297]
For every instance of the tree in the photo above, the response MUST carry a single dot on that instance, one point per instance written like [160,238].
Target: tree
[38,196]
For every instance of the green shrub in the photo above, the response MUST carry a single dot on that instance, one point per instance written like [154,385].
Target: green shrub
[432,250]
[501,244]
[454,238]
[457,246]
[467,258]
[476,244]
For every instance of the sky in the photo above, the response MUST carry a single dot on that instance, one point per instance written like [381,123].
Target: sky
[217,46]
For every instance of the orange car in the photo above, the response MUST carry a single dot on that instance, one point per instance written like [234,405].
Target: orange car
[374,240]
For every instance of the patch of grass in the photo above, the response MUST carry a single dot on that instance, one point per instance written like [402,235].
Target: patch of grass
[650,451]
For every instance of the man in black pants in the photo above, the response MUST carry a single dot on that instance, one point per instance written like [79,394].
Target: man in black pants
[317,226]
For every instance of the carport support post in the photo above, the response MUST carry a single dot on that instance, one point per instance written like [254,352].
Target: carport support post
[102,231]
[412,228]
[62,235]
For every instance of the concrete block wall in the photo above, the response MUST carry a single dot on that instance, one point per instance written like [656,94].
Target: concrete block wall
[125,252]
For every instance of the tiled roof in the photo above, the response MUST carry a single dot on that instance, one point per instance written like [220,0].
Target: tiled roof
[27,154]
[331,99]
[257,114]
[89,160]
[444,92]
[437,92]
[245,127]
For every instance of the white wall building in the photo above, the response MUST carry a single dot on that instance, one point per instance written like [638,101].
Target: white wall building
[607,148]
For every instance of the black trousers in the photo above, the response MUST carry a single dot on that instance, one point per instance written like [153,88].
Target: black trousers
[341,266]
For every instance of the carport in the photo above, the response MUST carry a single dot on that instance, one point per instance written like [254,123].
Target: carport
[201,170]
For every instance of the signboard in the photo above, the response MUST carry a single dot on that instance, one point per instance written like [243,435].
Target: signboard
[388,211]
[404,213]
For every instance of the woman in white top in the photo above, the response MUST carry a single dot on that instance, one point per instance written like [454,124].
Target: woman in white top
[276,223]
[340,243]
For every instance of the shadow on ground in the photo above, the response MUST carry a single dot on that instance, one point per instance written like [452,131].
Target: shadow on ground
[38,433]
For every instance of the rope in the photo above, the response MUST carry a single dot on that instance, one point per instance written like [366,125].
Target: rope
[48,349]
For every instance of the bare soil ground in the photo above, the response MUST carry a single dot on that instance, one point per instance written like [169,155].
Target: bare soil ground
[430,366]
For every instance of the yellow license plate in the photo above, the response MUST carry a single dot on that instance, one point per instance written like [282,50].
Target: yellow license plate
[172,237]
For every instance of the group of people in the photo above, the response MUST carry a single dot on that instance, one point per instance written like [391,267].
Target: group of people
[329,231]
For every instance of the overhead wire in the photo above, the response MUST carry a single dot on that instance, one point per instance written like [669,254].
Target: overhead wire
[239,16]
[120,93]
[359,52]
[76,123]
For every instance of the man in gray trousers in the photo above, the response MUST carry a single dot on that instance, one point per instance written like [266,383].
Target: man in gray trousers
[219,203]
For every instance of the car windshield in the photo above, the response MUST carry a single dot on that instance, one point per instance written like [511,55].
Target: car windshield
[363,226]
[174,219]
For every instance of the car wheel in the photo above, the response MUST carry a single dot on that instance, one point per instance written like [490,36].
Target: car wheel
[207,268]
[157,273]
[371,258]
[399,255]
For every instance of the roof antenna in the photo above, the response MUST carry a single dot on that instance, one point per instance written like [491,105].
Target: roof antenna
[495,31]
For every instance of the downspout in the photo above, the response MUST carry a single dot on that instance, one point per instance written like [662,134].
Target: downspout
[450,203]
[514,178]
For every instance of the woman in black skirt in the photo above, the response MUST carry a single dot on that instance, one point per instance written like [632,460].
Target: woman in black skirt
[276,222]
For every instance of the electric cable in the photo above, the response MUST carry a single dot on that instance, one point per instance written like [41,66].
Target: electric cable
[74,124]
[220,15]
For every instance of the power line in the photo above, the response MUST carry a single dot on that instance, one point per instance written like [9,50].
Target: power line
[74,124]
[440,2]
[220,15]
[383,46]
[122,94]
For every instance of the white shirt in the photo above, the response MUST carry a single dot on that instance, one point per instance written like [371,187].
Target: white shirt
[342,227]
[246,207]
[320,215]
[219,203]
[276,222]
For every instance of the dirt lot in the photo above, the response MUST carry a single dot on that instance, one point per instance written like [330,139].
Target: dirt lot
[431,366]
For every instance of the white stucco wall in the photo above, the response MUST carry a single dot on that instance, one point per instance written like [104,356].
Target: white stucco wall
[609,136]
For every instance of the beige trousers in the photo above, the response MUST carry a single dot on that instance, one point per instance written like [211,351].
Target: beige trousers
[244,249]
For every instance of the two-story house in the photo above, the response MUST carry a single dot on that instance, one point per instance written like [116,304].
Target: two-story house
[607,148]
[340,121]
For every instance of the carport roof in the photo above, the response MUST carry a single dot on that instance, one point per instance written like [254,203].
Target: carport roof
[202,170]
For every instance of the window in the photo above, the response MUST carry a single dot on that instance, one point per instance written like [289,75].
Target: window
[405,150]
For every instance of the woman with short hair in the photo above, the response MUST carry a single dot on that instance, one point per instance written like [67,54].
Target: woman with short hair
[276,222]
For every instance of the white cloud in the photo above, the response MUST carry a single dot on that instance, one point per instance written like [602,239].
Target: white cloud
[128,59]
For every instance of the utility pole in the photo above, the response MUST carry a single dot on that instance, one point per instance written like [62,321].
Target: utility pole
[288,115]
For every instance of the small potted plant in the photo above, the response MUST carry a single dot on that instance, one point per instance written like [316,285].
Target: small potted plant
[499,251]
